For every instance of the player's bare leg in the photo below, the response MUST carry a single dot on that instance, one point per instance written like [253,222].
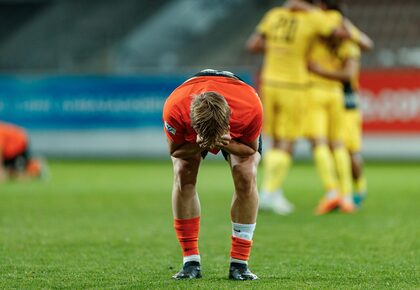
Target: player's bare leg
[243,213]
[276,164]
[324,162]
[245,199]
[185,202]
[186,211]
[343,166]
[358,178]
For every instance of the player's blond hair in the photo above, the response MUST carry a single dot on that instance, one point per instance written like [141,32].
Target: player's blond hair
[210,114]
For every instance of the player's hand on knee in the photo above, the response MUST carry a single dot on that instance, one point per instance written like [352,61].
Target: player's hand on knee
[223,141]
[199,141]
[3,175]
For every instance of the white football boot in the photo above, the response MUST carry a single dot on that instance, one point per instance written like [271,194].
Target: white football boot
[275,202]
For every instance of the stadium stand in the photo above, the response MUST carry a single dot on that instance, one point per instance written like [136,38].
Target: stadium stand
[77,36]
[72,35]
[15,15]
[394,26]
[216,38]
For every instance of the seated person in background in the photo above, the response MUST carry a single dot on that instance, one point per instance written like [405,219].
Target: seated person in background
[15,159]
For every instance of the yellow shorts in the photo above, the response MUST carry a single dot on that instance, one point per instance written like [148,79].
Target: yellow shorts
[283,111]
[325,114]
[353,130]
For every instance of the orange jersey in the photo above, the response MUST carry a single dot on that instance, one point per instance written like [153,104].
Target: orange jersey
[13,140]
[246,109]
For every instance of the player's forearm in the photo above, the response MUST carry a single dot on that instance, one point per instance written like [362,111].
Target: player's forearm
[361,39]
[349,70]
[339,75]
[186,150]
[239,149]
[365,42]
[358,36]
[3,171]
[256,43]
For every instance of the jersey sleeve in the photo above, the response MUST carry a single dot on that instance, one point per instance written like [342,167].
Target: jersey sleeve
[264,25]
[355,33]
[253,130]
[326,22]
[349,49]
[172,124]
[2,141]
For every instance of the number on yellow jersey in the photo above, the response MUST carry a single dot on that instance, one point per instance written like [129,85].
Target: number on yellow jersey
[286,28]
[288,36]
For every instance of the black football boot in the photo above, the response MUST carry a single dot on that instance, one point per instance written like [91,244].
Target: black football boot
[190,270]
[239,271]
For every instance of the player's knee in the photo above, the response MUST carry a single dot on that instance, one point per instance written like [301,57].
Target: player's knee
[317,141]
[356,157]
[185,174]
[244,178]
[284,145]
[336,144]
[356,161]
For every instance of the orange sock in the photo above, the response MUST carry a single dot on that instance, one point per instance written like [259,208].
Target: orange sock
[187,232]
[241,249]
[33,168]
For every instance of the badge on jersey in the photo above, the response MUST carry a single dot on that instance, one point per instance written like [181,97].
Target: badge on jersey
[170,129]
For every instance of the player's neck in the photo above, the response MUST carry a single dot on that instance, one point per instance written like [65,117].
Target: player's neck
[298,5]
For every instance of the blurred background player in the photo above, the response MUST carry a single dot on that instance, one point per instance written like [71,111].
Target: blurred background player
[214,111]
[285,35]
[325,112]
[353,137]
[342,70]
[16,161]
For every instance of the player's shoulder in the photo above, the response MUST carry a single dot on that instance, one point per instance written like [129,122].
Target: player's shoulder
[323,15]
[333,15]
[349,48]
[9,127]
[324,22]
[211,75]
[178,98]
[276,11]
[348,43]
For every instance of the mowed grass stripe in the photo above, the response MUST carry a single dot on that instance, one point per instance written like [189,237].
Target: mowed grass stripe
[108,225]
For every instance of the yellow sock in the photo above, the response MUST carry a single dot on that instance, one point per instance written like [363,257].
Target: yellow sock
[325,165]
[342,163]
[360,185]
[276,164]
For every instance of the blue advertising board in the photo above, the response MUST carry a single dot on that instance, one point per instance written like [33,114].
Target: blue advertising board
[86,102]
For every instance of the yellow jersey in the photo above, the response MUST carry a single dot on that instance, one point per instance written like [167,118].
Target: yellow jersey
[288,35]
[332,57]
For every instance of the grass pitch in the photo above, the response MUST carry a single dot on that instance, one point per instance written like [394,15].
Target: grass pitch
[108,225]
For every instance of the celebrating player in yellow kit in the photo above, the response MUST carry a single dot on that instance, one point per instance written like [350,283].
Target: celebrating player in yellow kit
[284,35]
[337,65]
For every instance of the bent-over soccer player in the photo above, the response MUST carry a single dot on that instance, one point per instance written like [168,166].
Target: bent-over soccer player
[211,112]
